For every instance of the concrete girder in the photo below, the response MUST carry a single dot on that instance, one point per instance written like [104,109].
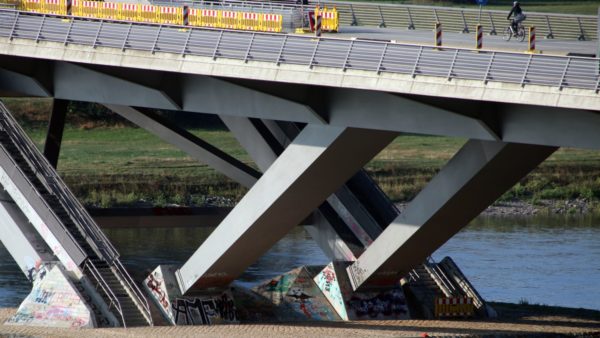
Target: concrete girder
[13,83]
[75,82]
[474,178]
[338,106]
[192,145]
[317,162]
[264,153]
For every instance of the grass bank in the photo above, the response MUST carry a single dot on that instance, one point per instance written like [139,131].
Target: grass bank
[115,164]
[122,165]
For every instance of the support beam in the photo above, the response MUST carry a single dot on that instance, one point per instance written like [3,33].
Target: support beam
[473,179]
[56,126]
[331,234]
[192,145]
[317,162]
[17,84]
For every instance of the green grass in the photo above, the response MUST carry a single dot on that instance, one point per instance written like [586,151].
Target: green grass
[108,166]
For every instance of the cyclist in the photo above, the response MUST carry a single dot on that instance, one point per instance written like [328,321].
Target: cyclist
[517,14]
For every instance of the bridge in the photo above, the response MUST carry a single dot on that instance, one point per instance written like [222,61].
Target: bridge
[311,112]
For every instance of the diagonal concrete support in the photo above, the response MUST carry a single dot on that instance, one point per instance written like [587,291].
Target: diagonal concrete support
[263,145]
[192,145]
[474,178]
[318,161]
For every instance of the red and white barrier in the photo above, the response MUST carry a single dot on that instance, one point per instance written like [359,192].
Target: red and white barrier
[531,39]
[479,37]
[454,307]
[438,34]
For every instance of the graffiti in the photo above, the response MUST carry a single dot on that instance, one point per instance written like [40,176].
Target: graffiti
[155,284]
[197,311]
[298,294]
[386,304]
[327,281]
[36,271]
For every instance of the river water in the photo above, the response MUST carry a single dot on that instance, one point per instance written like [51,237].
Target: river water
[539,260]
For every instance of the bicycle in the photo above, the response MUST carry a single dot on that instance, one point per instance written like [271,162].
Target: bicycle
[509,32]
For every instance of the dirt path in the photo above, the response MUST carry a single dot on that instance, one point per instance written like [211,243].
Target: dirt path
[515,321]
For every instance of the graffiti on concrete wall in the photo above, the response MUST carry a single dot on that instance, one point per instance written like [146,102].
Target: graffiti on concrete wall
[53,301]
[328,283]
[204,311]
[388,304]
[36,270]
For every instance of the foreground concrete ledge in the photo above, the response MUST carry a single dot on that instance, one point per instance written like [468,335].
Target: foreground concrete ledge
[301,74]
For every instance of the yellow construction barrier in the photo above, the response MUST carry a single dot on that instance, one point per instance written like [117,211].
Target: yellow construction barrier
[32,5]
[110,10]
[228,19]
[330,19]
[88,9]
[54,7]
[170,15]
[272,22]
[129,12]
[148,13]
[209,18]
[250,21]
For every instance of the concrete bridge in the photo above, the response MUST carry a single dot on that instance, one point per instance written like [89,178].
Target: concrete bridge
[311,113]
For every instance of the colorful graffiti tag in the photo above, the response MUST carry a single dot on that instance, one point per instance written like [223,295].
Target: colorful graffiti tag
[53,301]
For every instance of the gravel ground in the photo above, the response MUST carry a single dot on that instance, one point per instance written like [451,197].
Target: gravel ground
[518,322]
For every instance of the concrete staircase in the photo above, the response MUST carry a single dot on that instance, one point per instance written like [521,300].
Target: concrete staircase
[78,235]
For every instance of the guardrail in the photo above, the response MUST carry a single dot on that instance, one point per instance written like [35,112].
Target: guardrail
[376,56]
[582,27]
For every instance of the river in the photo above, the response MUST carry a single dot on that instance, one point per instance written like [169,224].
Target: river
[538,260]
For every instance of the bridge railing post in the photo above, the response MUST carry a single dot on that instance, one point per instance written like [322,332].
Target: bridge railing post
[411,24]
[550,35]
[493,31]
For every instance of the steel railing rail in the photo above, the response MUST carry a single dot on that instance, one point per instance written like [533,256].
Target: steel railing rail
[368,55]
[44,171]
[97,277]
[564,26]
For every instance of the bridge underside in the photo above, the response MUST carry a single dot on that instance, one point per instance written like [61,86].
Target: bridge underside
[309,144]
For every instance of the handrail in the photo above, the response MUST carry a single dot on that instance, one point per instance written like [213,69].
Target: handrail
[440,276]
[42,169]
[485,66]
[136,290]
[422,17]
[6,117]
[107,290]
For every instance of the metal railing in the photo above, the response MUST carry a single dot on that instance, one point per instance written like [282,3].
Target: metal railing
[376,56]
[46,174]
[439,277]
[582,27]
[97,277]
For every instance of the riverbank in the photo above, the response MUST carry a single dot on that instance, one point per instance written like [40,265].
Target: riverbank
[514,320]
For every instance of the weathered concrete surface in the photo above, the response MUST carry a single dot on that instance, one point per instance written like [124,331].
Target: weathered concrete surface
[322,76]
[53,302]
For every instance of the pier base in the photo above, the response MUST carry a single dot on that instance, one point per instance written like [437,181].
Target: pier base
[54,302]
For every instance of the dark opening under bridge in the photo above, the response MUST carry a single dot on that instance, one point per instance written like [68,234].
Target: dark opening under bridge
[310,112]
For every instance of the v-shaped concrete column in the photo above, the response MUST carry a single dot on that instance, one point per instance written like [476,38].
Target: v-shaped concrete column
[473,179]
[312,167]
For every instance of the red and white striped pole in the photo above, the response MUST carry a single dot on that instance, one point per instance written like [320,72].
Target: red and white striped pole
[479,37]
[438,34]
[531,39]
[186,15]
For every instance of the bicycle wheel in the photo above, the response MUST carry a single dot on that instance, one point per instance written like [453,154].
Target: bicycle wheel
[521,34]
[507,34]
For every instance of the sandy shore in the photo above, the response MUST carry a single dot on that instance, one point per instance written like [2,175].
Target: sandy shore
[513,322]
